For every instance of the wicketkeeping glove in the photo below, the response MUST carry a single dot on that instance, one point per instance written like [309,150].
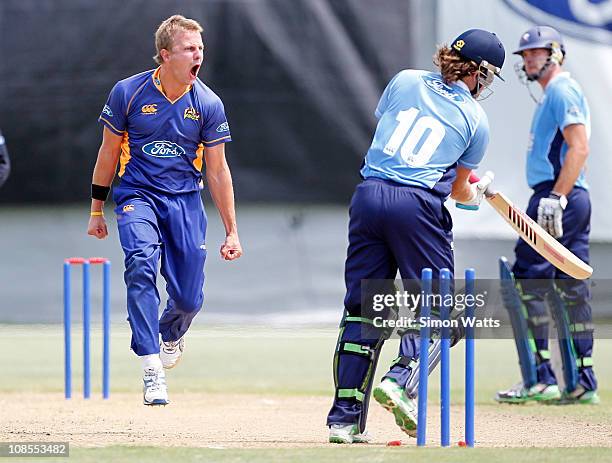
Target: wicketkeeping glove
[550,214]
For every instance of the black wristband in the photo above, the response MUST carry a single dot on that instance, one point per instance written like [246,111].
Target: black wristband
[99,192]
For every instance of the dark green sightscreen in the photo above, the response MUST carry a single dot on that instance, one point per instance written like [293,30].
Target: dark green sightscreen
[300,80]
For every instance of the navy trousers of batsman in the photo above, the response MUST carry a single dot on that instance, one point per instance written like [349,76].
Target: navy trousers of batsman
[169,228]
[573,295]
[392,226]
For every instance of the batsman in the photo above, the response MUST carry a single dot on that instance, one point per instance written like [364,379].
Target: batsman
[431,134]
[556,157]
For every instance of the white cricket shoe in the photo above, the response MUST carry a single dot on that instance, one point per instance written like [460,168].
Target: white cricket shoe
[155,391]
[394,399]
[171,352]
[347,434]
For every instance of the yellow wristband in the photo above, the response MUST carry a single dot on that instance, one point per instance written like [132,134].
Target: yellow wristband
[97,214]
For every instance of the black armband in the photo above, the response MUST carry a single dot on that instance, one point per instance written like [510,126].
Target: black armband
[99,192]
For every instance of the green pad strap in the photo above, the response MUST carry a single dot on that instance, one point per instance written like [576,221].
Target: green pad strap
[356,348]
[405,361]
[544,354]
[351,394]
[584,362]
[525,297]
[539,320]
[359,319]
[581,327]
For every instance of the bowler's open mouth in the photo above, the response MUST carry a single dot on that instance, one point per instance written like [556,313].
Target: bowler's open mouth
[194,71]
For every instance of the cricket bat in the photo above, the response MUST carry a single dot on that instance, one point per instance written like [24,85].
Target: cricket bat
[536,237]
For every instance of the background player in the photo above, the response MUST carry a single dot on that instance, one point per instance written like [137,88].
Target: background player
[163,125]
[556,158]
[431,133]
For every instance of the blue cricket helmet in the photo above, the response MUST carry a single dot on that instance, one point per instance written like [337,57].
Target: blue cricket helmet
[479,45]
[540,37]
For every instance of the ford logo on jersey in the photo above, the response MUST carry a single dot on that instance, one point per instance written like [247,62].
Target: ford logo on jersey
[585,19]
[163,149]
[438,86]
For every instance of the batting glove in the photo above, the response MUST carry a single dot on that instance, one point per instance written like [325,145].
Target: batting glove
[479,189]
[550,214]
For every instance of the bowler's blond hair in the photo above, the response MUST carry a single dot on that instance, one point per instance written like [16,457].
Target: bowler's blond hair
[166,30]
[452,65]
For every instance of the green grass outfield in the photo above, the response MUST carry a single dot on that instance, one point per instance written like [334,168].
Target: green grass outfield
[283,362]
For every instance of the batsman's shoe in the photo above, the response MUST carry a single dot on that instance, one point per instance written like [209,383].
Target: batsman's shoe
[171,352]
[392,397]
[155,391]
[518,394]
[580,395]
[347,434]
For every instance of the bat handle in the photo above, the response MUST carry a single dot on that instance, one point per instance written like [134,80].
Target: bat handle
[475,179]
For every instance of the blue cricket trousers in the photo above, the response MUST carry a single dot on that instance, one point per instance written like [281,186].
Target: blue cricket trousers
[529,265]
[392,227]
[169,228]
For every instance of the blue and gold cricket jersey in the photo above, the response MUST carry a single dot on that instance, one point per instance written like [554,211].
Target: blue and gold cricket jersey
[426,127]
[562,104]
[163,140]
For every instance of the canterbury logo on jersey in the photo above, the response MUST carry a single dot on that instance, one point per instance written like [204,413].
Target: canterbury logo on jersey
[128,208]
[163,149]
[223,127]
[149,109]
[191,113]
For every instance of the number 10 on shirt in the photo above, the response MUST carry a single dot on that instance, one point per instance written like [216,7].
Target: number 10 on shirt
[417,141]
